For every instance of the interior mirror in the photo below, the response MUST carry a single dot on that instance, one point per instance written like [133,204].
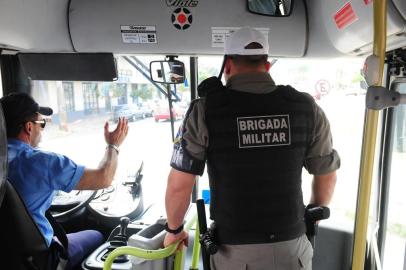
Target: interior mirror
[169,72]
[276,8]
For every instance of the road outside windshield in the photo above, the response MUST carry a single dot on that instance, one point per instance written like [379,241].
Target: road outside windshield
[81,108]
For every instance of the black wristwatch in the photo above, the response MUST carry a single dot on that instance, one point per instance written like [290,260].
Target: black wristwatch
[176,231]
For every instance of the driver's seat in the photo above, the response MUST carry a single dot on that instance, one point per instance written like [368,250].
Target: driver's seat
[24,247]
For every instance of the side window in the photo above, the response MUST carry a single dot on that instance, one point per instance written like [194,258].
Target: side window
[395,241]
[333,83]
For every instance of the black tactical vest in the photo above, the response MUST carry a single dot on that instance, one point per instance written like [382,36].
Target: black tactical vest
[257,147]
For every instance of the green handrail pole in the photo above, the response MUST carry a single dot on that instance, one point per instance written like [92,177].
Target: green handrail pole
[144,253]
[196,250]
[179,262]
[140,253]
[369,144]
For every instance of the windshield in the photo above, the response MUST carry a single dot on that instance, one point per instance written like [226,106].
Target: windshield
[82,108]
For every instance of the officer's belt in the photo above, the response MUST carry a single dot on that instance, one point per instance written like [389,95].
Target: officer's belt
[227,237]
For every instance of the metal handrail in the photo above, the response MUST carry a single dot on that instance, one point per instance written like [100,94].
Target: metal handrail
[369,144]
[151,254]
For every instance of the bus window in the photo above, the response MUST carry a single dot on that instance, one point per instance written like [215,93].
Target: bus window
[395,241]
[332,83]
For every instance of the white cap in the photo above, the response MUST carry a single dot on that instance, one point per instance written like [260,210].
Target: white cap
[236,43]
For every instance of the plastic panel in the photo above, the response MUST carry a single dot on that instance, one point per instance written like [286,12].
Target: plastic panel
[356,38]
[95,26]
[39,25]
[401,7]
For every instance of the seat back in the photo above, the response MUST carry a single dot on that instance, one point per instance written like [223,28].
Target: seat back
[3,154]
[24,246]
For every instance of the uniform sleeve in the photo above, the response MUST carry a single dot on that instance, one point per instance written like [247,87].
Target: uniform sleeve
[321,158]
[63,173]
[189,153]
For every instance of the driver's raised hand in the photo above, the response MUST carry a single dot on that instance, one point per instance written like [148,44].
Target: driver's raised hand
[117,136]
[103,176]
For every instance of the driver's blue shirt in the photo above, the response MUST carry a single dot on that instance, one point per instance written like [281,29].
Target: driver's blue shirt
[37,175]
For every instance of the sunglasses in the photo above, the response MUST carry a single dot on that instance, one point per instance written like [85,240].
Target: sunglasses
[42,122]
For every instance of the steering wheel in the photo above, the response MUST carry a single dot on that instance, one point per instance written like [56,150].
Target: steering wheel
[64,205]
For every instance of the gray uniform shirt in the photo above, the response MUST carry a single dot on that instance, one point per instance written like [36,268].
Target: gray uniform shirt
[321,157]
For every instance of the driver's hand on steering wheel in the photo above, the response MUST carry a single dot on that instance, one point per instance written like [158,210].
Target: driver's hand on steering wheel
[118,135]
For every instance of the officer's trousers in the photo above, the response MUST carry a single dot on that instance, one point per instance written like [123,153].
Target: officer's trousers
[294,254]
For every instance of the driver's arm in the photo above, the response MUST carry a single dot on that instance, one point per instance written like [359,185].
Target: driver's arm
[103,176]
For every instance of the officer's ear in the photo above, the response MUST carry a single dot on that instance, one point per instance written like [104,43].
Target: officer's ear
[227,66]
[268,66]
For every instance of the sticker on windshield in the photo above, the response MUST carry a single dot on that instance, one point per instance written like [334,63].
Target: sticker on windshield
[263,131]
[141,34]
[219,34]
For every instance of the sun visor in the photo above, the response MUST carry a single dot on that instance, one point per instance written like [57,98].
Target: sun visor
[192,27]
[69,66]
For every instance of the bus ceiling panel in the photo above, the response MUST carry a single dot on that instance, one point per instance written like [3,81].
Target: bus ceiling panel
[401,7]
[35,25]
[190,27]
[349,25]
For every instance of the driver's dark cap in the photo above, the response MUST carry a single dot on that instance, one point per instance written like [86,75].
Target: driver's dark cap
[17,107]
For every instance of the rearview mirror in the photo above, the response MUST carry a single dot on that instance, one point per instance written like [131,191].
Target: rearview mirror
[275,8]
[168,72]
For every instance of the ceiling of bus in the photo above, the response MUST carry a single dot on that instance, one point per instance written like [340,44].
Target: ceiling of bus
[332,28]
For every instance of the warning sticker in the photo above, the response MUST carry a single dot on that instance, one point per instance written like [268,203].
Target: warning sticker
[138,34]
[263,131]
[345,16]
[219,34]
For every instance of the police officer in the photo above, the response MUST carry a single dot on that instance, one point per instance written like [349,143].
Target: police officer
[255,137]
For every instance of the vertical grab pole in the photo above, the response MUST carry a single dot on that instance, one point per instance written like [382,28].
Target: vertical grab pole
[369,144]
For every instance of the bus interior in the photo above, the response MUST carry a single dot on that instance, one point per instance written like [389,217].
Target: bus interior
[93,61]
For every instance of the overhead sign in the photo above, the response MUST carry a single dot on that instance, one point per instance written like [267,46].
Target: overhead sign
[144,34]
[345,16]
[219,34]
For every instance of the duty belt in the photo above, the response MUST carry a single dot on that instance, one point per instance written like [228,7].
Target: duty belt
[228,237]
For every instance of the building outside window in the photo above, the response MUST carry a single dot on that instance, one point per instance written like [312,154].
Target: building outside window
[90,98]
[121,93]
[69,96]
